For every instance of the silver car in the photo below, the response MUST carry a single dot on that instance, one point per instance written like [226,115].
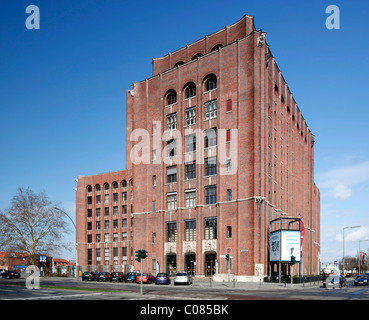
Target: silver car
[182,278]
[335,281]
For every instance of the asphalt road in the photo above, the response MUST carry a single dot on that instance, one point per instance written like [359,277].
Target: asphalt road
[201,289]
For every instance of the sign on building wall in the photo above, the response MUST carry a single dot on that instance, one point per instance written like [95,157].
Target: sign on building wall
[282,243]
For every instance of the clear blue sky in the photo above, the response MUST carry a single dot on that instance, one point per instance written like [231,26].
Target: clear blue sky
[62,91]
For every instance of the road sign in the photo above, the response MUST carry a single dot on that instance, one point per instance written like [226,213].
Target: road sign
[229,250]
[42,258]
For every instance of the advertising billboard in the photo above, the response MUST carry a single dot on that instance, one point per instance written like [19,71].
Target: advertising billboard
[283,243]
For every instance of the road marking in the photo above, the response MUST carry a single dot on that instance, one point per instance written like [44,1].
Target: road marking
[57,297]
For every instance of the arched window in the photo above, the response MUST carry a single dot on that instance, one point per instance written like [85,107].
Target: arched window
[217,47]
[190,90]
[89,188]
[97,187]
[179,63]
[124,184]
[210,82]
[115,185]
[171,97]
[197,55]
[106,186]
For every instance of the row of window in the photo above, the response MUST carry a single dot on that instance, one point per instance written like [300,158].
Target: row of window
[107,211]
[190,198]
[106,185]
[210,230]
[107,198]
[107,255]
[190,114]
[98,224]
[210,83]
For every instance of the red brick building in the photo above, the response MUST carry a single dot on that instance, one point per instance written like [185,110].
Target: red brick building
[217,148]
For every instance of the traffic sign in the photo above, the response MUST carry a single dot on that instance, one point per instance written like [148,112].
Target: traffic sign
[229,250]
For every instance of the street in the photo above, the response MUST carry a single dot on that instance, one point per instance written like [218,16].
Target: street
[201,289]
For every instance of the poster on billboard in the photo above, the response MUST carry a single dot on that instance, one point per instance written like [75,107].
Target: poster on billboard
[282,243]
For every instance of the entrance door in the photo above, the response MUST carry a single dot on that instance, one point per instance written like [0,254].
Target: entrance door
[210,258]
[190,263]
[171,264]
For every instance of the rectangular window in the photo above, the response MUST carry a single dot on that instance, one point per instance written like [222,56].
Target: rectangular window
[172,147]
[106,237]
[210,137]
[154,205]
[106,224]
[89,200]
[190,230]
[98,237]
[154,181]
[124,223]
[171,231]
[115,197]
[115,210]
[89,256]
[115,236]
[124,209]
[124,236]
[190,116]
[106,211]
[89,238]
[98,212]
[229,105]
[171,174]
[98,199]
[154,237]
[172,121]
[154,155]
[172,201]
[89,225]
[210,166]
[115,223]
[106,198]
[190,142]
[191,171]
[210,228]
[190,198]
[229,194]
[211,109]
[229,232]
[229,165]
[98,225]
[228,135]
[124,196]
[210,194]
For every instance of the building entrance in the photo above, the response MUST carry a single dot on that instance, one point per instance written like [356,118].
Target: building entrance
[210,259]
[190,263]
[171,264]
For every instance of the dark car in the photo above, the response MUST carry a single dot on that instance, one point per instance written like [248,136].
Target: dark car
[131,276]
[146,278]
[118,277]
[88,276]
[103,276]
[10,274]
[361,280]
[162,278]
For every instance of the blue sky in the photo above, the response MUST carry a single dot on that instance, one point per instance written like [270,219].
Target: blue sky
[62,91]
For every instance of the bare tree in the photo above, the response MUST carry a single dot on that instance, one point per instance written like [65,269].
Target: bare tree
[32,225]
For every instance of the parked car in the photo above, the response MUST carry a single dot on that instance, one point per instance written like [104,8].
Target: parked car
[162,278]
[182,278]
[103,276]
[335,280]
[88,276]
[361,280]
[131,276]
[118,277]
[10,274]
[146,278]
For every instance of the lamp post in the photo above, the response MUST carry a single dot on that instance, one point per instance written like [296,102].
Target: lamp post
[343,244]
[360,255]
[77,276]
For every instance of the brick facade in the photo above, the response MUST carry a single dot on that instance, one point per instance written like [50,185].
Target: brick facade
[263,150]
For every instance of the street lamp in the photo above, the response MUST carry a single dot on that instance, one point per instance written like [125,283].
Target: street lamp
[55,207]
[360,254]
[343,243]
